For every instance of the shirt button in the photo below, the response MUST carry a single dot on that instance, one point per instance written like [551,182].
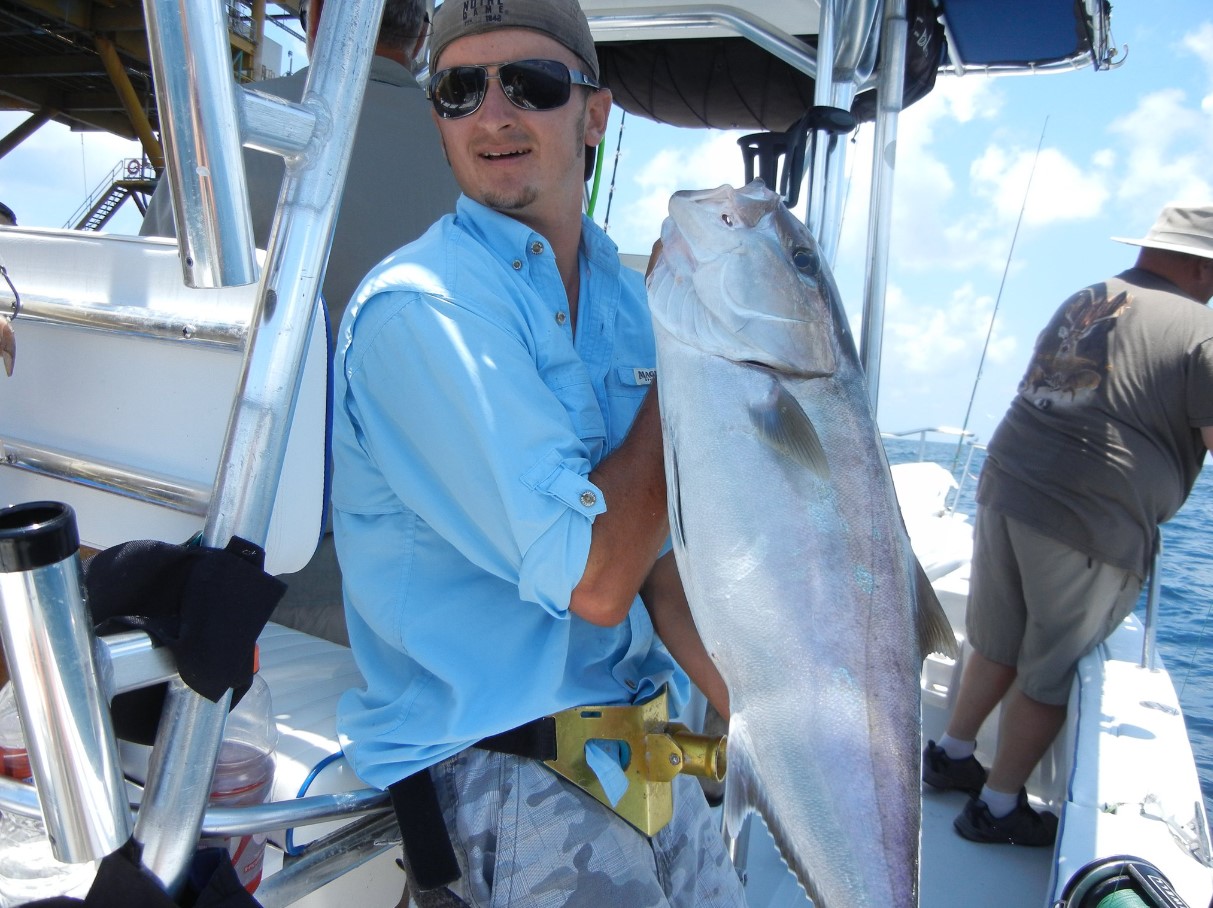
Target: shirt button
[537,247]
[588,498]
[630,683]
[517,265]
[561,318]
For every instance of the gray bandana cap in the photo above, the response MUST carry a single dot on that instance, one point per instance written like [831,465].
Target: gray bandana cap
[562,20]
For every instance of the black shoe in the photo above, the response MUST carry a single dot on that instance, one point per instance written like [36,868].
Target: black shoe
[942,772]
[1022,826]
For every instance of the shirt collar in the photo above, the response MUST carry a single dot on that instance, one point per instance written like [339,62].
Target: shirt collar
[510,238]
[390,72]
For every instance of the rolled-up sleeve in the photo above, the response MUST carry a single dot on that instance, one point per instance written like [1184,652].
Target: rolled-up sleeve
[455,416]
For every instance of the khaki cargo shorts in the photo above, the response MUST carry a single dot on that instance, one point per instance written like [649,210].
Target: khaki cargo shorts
[1039,605]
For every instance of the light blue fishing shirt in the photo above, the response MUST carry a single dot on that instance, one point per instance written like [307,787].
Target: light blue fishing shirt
[466,422]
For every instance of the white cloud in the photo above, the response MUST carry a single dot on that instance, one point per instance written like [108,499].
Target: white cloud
[932,338]
[962,98]
[934,348]
[1199,43]
[1167,146]
[1060,190]
[705,164]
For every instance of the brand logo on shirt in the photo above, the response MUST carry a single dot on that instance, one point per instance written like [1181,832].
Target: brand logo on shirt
[645,376]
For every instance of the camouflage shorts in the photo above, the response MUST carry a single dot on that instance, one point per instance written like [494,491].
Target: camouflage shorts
[525,837]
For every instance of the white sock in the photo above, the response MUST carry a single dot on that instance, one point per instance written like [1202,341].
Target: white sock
[1000,802]
[957,749]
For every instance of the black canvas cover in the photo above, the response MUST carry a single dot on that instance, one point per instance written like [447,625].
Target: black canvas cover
[731,83]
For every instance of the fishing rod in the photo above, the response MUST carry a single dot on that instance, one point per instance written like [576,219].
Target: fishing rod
[606,221]
[998,299]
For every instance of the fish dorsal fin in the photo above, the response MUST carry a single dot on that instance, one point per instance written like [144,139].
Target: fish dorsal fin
[935,634]
[782,423]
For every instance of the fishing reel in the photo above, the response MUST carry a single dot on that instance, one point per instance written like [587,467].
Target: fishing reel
[1122,881]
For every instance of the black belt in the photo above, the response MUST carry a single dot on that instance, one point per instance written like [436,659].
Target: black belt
[536,739]
[428,853]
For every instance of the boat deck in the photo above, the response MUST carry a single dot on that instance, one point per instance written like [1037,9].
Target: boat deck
[1008,877]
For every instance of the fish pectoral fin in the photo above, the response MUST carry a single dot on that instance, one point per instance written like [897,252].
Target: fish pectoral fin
[783,424]
[935,634]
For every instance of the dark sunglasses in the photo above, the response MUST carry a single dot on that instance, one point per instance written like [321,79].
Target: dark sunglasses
[528,84]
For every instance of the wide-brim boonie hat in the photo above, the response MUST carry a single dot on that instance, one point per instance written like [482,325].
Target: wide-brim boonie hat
[562,20]
[1180,229]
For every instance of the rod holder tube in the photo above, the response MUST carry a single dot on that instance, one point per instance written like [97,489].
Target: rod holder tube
[48,641]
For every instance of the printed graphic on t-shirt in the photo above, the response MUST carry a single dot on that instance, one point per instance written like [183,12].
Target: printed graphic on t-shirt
[1071,356]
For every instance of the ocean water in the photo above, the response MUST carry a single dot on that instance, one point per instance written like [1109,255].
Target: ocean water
[1185,625]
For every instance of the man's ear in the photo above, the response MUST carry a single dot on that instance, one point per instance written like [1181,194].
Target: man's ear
[597,112]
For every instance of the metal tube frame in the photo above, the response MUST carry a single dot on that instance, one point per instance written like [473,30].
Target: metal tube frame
[608,23]
[170,818]
[131,321]
[890,100]
[328,858]
[139,485]
[196,97]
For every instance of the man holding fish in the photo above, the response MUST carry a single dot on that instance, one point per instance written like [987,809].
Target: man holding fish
[499,499]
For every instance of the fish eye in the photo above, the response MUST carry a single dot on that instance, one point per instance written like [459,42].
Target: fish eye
[728,220]
[804,259]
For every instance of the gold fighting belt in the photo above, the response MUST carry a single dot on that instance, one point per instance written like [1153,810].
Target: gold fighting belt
[656,751]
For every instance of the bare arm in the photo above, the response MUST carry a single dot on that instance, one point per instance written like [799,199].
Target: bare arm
[670,612]
[1206,432]
[626,539]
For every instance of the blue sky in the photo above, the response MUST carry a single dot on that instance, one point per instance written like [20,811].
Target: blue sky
[1118,146]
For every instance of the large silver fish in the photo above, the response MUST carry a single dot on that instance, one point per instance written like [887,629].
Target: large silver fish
[791,545]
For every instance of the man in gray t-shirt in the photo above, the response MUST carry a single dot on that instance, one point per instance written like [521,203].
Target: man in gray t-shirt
[1101,444]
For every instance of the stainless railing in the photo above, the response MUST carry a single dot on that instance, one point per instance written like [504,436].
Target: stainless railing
[962,436]
[201,117]
[80,794]
[1149,646]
